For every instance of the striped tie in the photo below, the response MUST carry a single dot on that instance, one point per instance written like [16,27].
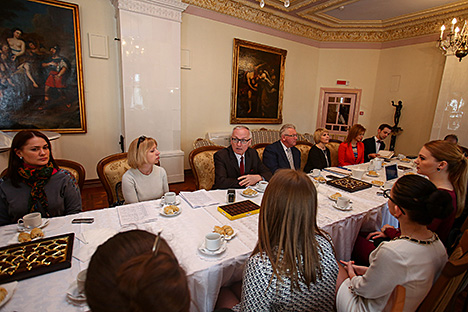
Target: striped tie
[290,158]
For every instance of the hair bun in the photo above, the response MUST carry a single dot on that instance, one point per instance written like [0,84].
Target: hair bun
[439,204]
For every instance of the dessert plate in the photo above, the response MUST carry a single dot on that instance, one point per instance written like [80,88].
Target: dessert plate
[175,214]
[10,288]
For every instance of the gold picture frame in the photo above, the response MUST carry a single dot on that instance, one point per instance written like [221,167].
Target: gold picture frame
[42,73]
[257,83]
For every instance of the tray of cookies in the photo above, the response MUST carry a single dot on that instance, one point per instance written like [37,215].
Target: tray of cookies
[239,210]
[349,184]
[33,258]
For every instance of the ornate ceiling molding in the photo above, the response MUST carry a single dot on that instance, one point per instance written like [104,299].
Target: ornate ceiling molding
[167,9]
[316,27]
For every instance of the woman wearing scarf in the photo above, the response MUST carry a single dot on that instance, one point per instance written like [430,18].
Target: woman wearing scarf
[34,182]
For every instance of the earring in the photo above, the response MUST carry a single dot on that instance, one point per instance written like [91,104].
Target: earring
[21,157]
[438,169]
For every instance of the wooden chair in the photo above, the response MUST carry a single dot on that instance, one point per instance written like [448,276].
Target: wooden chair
[260,148]
[202,142]
[75,169]
[304,147]
[110,170]
[396,302]
[264,135]
[202,164]
[442,293]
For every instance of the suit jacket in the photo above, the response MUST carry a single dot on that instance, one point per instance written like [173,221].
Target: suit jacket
[369,147]
[274,157]
[346,154]
[227,168]
[316,159]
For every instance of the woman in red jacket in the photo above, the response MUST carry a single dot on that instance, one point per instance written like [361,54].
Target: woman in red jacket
[351,151]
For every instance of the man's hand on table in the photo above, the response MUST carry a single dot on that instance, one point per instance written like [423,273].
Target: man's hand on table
[249,179]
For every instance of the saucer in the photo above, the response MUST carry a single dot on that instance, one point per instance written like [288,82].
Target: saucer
[10,288]
[207,252]
[45,222]
[74,295]
[372,175]
[175,214]
[259,190]
[350,207]
[177,203]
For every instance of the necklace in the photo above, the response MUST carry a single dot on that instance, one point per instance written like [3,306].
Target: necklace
[433,239]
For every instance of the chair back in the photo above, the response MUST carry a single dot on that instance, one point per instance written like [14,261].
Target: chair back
[202,142]
[307,137]
[110,170]
[333,146]
[447,285]
[264,135]
[76,170]
[304,147]
[260,148]
[202,163]
[396,302]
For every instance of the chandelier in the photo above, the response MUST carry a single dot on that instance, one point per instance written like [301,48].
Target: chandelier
[286,3]
[455,41]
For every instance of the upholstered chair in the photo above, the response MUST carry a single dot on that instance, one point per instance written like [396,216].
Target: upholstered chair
[202,164]
[260,148]
[333,146]
[304,147]
[110,170]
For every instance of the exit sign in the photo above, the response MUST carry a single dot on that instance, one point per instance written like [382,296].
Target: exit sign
[342,82]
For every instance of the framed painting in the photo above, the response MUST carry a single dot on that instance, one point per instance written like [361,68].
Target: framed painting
[41,71]
[257,83]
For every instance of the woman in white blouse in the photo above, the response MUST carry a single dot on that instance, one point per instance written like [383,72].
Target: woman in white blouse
[413,260]
[145,180]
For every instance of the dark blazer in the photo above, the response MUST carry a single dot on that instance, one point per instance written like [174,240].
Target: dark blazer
[346,154]
[316,159]
[227,169]
[274,157]
[369,147]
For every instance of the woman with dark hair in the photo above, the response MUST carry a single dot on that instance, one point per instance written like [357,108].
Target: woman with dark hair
[319,155]
[412,260]
[293,266]
[351,151]
[136,271]
[34,182]
[144,181]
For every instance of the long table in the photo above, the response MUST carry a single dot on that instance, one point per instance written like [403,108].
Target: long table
[184,234]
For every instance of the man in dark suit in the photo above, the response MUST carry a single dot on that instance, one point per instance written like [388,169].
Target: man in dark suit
[373,145]
[283,153]
[238,165]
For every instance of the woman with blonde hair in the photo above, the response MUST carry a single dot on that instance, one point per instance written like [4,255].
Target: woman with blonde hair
[144,181]
[351,151]
[319,154]
[293,266]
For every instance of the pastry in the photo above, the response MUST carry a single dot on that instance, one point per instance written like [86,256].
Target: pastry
[373,173]
[3,293]
[218,229]
[250,192]
[171,209]
[24,237]
[36,232]
[320,179]
[378,183]
[228,230]
[335,196]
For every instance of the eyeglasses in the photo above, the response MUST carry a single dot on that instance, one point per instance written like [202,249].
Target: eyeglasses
[243,141]
[291,135]
[386,194]
[140,140]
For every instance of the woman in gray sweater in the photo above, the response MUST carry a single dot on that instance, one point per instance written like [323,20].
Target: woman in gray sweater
[34,182]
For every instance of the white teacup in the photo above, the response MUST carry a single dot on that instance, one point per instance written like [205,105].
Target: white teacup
[80,280]
[261,185]
[169,198]
[371,166]
[31,220]
[401,156]
[378,163]
[343,202]
[213,241]
[358,173]
[315,172]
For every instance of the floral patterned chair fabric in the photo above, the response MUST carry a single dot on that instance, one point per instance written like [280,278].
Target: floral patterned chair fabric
[202,164]
[304,148]
[333,147]
[306,137]
[110,171]
[75,169]
[260,148]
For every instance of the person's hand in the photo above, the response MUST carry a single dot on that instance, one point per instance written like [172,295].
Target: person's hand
[373,155]
[386,226]
[375,235]
[349,267]
[249,179]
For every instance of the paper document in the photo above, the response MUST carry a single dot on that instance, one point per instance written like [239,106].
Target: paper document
[197,199]
[138,213]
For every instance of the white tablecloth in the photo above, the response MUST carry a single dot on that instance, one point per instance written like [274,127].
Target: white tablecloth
[184,234]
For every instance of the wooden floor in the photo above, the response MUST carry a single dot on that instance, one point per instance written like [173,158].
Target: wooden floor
[94,197]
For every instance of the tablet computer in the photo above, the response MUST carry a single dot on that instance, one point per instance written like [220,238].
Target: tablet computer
[391,172]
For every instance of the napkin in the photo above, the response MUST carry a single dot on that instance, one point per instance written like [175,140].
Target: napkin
[92,239]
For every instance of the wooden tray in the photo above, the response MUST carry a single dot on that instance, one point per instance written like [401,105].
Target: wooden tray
[25,260]
[239,210]
[349,184]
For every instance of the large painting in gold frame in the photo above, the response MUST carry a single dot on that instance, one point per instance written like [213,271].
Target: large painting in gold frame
[41,71]
[257,83]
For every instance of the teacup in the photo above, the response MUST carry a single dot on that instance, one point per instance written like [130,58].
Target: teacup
[342,202]
[401,156]
[371,166]
[31,220]
[80,280]
[169,198]
[315,172]
[378,163]
[213,241]
[358,173]
[261,186]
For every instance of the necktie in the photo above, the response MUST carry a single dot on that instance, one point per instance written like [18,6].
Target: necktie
[290,158]
[241,166]
[379,141]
